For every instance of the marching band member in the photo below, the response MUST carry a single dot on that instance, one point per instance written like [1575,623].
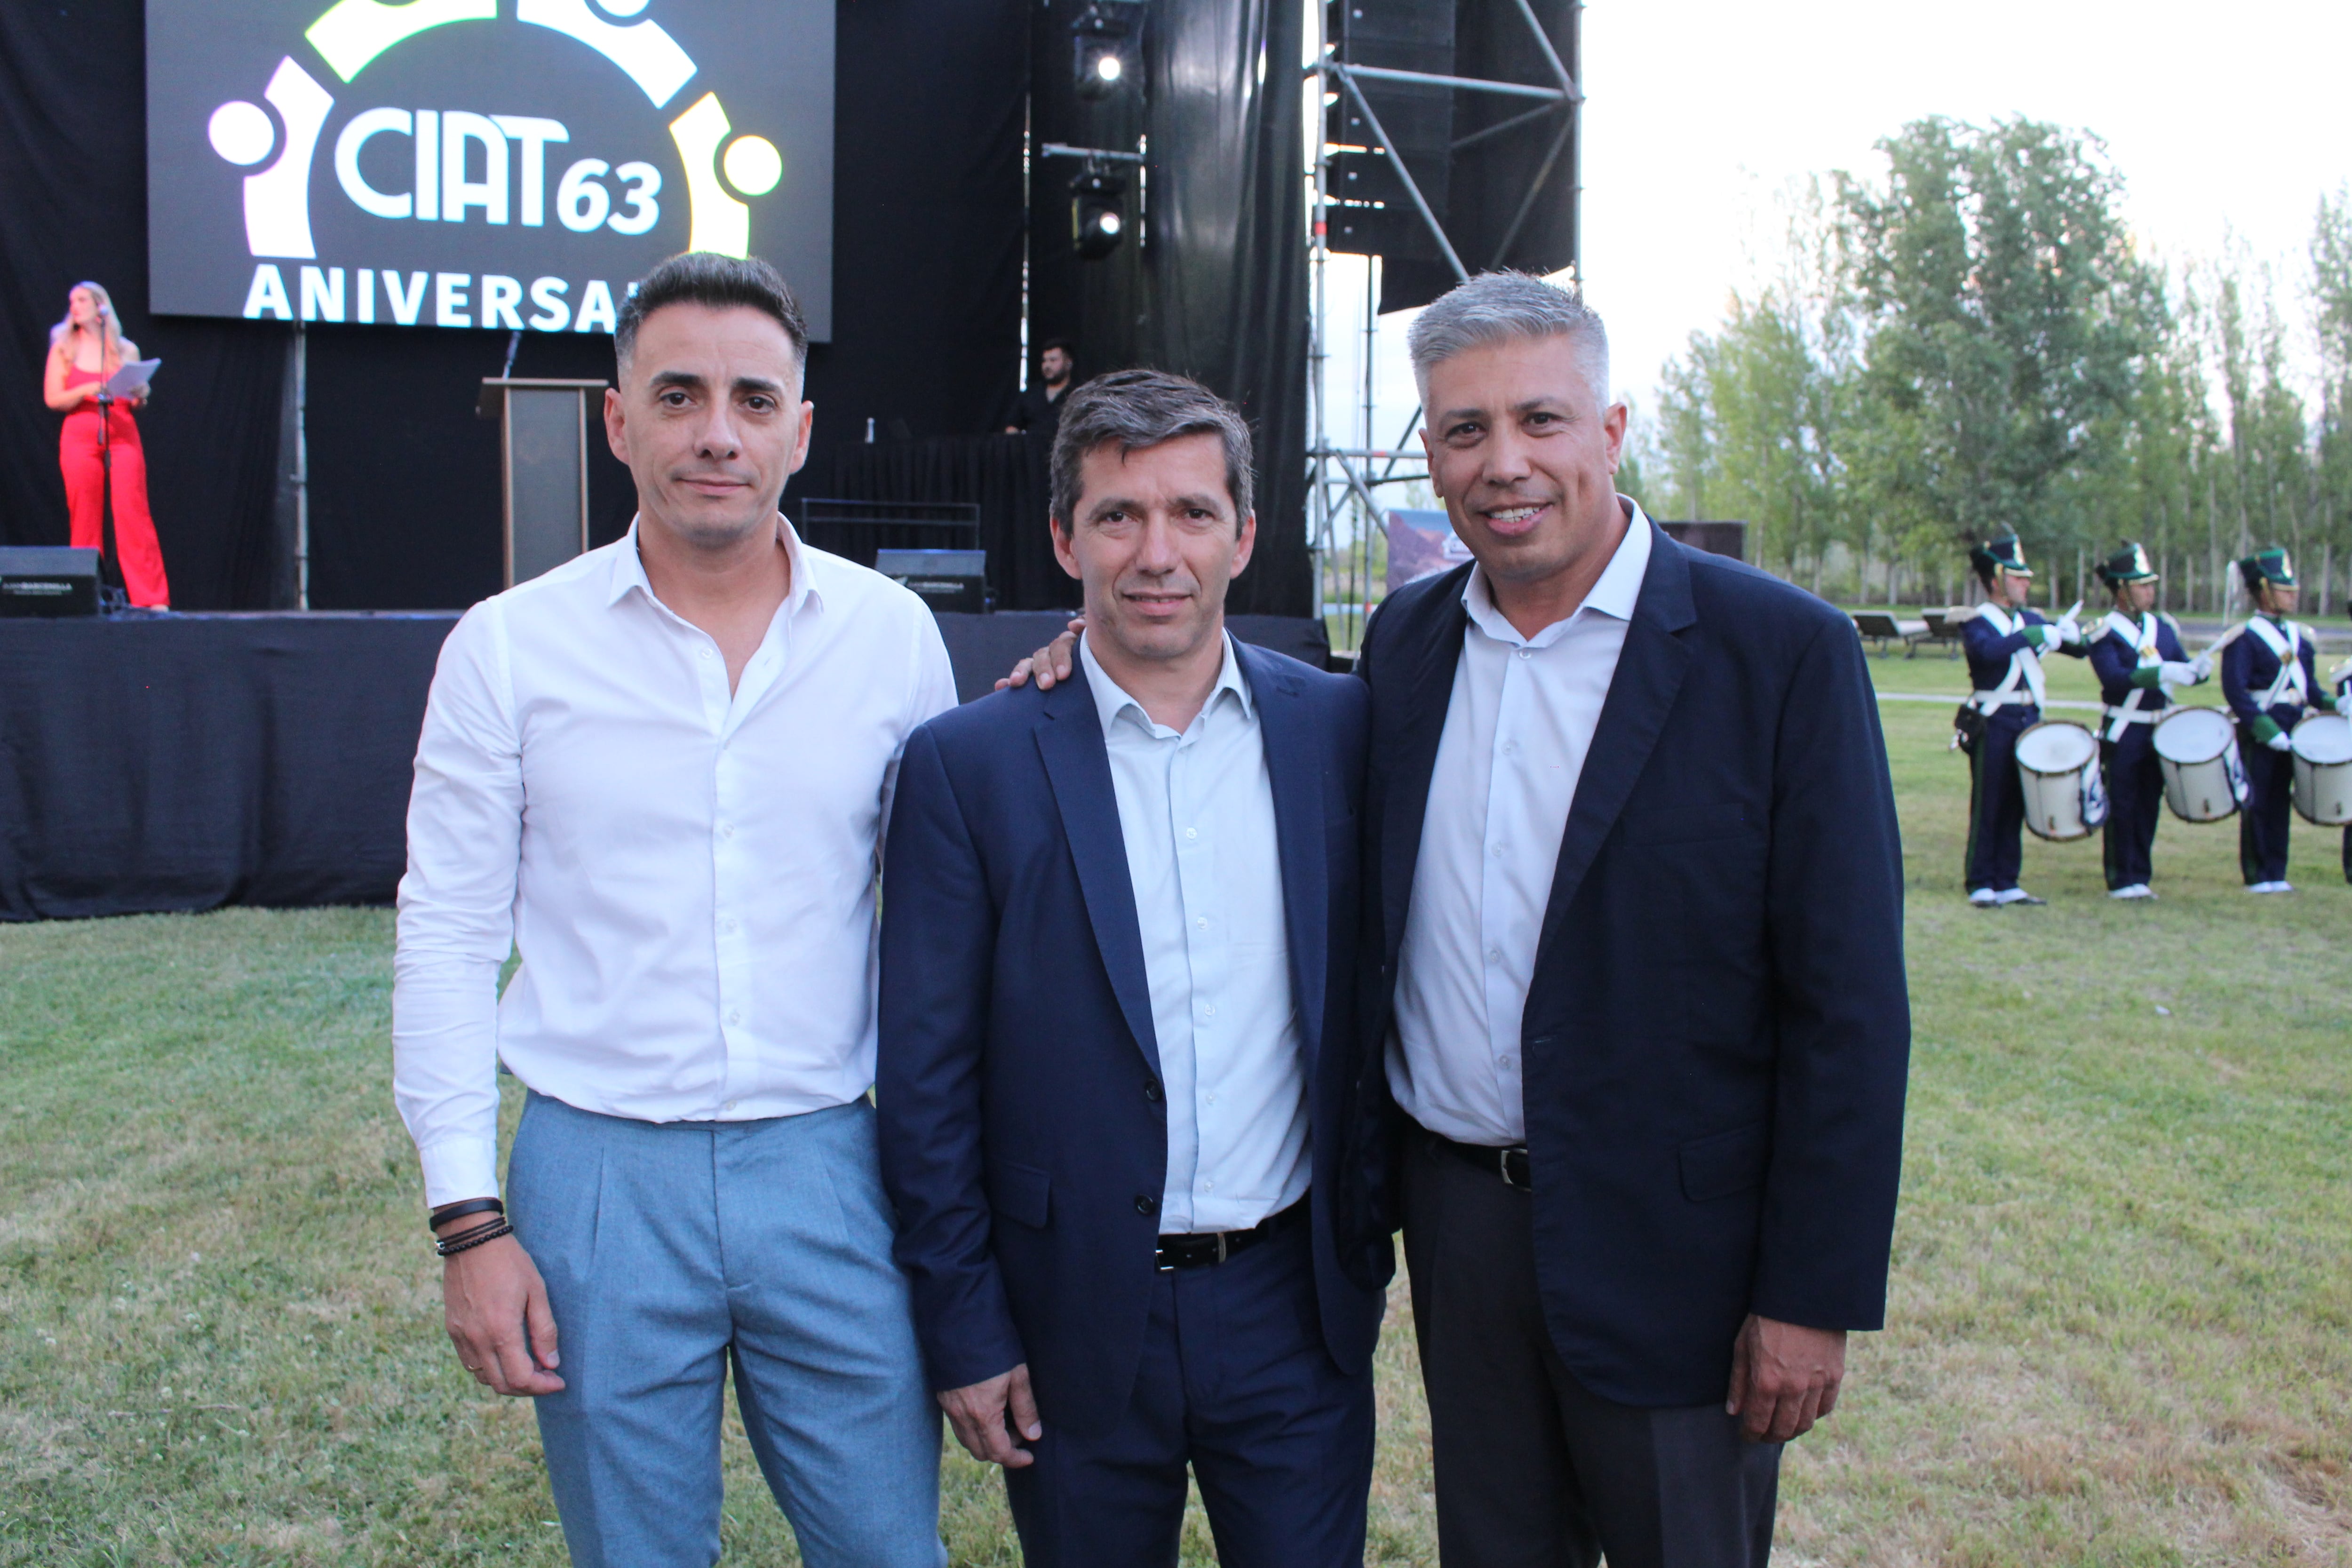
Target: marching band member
[2269,676]
[2004,642]
[2139,661]
[2343,678]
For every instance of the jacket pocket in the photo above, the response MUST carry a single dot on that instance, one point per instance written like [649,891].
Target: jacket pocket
[1020,1193]
[1725,1163]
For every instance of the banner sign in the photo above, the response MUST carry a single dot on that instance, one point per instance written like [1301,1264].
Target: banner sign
[508,164]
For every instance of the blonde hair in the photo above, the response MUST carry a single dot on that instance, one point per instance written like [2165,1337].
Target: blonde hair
[109,328]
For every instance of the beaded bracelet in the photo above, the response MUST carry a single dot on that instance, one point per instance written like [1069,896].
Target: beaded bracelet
[449,1246]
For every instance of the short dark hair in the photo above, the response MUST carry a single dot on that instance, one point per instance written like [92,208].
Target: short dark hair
[1140,409]
[1050,345]
[721,283]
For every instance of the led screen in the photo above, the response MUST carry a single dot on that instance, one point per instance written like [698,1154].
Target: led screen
[480,163]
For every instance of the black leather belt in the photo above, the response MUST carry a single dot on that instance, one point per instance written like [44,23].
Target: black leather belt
[1510,1164]
[1198,1249]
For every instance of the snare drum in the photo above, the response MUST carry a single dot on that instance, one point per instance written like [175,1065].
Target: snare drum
[2198,750]
[2058,767]
[2322,769]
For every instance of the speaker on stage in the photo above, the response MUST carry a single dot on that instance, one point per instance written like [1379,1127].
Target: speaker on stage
[543,469]
[48,581]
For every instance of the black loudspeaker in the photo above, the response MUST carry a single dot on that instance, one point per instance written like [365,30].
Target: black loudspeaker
[1497,170]
[48,581]
[943,579]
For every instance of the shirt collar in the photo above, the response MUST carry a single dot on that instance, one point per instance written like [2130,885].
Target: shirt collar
[1616,592]
[1111,700]
[629,570]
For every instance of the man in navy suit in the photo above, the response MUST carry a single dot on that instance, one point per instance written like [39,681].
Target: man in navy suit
[1118,1033]
[1634,977]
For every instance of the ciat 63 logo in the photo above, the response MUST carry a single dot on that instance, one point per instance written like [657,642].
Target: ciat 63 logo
[506,164]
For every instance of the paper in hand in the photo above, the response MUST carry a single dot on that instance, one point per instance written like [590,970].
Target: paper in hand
[132,378]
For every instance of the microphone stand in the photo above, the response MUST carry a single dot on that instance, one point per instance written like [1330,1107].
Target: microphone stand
[110,564]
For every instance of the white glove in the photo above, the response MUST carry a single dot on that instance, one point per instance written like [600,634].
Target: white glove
[2203,665]
[2044,636]
[2181,672]
[2281,741]
[2069,629]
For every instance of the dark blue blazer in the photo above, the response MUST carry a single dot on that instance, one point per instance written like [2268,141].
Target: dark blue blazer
[1988,652]
[2116,663]
[1718,1029]
[1023,1122]
[2249,668]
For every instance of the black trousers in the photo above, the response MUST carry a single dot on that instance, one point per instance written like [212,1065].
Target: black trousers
[2134,803]
[1997,802]
[1533,1470]
[2263,821]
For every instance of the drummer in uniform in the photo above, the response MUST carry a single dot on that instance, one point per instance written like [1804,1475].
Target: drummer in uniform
[2269,673]
[2004,642]
[2140,663]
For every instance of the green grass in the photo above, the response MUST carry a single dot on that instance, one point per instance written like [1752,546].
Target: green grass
[2121,1329]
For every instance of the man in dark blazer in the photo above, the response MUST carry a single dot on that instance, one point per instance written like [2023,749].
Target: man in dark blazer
[1633,974]
[1117,1036]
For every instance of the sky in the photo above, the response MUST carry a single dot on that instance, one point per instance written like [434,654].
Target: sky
[1700,114]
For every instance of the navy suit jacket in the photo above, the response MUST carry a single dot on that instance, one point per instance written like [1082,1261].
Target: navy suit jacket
[1023,1122]
[1718,1029]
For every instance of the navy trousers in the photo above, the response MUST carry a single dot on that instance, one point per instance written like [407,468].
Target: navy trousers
[1235,1380]
[2270,806]
[1997,802]
[1533,1470]
[2134,802]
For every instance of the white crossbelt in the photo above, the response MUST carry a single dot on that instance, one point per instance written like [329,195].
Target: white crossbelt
[2288,647]
[2024,665]
[2141,636]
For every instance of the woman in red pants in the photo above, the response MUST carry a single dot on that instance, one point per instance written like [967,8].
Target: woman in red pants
[85,349]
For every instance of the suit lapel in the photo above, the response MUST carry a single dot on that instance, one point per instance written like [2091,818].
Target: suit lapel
[1429,693]
[1293,740]
[1070,742]
[1642,693]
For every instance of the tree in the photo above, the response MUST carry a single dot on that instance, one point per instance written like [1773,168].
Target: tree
[2005,321]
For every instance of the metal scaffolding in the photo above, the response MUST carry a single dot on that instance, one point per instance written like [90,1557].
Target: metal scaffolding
[1344,479]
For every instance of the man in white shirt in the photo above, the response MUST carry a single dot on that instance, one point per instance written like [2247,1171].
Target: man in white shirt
[1117,1029]
[660,774]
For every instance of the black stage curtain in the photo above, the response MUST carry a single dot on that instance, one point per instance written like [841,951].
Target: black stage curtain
[173,763]
[73,183]
[1003,475]
[1214,285]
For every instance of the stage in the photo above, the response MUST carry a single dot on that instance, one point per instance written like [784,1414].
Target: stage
[171,762]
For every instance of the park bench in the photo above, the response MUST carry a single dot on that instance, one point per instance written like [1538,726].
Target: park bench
[1883,628]
[1944,626]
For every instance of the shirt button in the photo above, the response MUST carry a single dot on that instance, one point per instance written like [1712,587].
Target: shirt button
[727,830]
[1527,653]
[731,927]
[734,1017]
[1202,922]
[1209,1010]
[704,652]
[729,1106]
[1192,833]
[1208,1186]
[1499,852]
[1493,955]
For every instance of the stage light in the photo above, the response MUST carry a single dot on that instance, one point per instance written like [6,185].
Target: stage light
[1098,213]
[1103,39]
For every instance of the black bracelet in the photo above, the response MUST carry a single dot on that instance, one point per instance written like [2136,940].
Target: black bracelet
[467,1240]
[449,1212]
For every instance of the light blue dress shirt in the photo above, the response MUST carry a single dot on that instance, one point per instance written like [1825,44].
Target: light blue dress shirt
[1518,727]
[1196,809]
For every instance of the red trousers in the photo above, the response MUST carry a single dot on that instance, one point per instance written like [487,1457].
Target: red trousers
[134,530]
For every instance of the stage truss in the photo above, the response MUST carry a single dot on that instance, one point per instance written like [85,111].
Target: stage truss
[1344,480]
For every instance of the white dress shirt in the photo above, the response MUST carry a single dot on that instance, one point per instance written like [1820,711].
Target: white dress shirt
[688,874]
[1517,728]
[1196,810]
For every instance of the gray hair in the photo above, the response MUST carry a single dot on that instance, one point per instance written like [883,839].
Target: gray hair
[1496,307]
[1140,409]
